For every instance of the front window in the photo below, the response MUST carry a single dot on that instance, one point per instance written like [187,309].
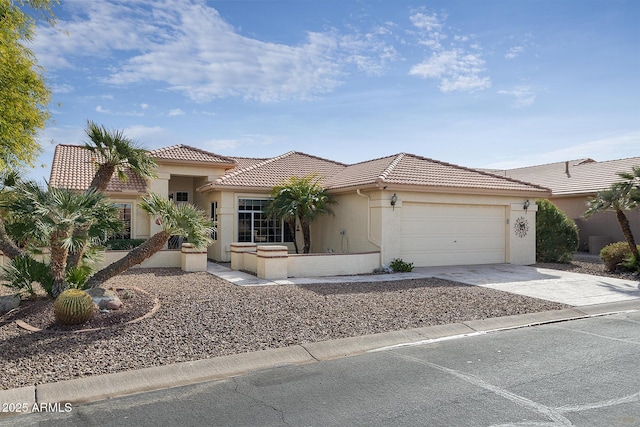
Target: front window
[255,227]
[125,216]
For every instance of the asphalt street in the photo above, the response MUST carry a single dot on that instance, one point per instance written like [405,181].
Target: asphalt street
[575,373]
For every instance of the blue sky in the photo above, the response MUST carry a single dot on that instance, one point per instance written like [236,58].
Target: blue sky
[476,83]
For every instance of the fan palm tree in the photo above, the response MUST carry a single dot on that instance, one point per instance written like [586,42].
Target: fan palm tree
[8,179]
[54,214]
[117,154]
[183,220]
[631,184]
[301,199]
[620,197]
[114,154]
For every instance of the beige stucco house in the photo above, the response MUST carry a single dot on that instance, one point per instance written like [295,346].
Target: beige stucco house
[572,184]
[442,214]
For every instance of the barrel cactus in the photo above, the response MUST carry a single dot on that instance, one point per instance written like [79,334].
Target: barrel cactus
[73,307]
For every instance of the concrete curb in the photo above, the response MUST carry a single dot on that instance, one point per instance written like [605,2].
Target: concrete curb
[161,377]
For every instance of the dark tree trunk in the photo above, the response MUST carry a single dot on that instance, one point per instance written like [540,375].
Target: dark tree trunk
[154,244]
[628,235]
[99,182]
[58,264]
[7,246]
[292,228]
[306,235]
[102,177]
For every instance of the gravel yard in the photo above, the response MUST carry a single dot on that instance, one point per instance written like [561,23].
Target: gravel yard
[200,316]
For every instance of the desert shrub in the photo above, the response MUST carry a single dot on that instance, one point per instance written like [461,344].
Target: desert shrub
[556,234]
[77,276]
[123,244]
[400,266]
[23,271]
[617,255]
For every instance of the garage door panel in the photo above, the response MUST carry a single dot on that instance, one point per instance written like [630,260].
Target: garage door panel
[435,234]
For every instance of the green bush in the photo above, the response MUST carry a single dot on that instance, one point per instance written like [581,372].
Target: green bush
[77,277]
[123,244]
[401,266]
[556,234]
[23,271]
[617,255]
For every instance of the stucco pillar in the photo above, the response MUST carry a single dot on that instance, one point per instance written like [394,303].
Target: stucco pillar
[193,259]
[238,250]
[521,232]
[160,186]
[272,262]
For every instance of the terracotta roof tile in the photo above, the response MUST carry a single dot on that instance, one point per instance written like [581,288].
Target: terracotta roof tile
[271,172]
[74,167]
[583,176]
[191,154]
[409,169]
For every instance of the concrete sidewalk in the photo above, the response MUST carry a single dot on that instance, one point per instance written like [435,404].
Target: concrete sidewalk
[591,296]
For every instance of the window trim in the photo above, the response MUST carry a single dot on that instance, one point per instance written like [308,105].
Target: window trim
[252,232]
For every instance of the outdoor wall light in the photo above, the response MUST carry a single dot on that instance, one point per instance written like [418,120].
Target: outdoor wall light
[394,200]
[526,205]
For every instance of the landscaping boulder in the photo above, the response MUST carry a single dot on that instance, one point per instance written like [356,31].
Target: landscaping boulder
[105,299]
[8,303]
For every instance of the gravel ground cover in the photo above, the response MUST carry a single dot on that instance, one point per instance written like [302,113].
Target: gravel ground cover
[200,316]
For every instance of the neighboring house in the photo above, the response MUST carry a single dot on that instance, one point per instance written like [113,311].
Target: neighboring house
[572,184]
[443,214]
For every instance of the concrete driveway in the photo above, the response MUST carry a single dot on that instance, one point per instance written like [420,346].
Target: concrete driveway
[552,285]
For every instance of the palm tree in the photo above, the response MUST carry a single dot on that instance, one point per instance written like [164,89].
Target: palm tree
[114,153]
[302,199]
[620,197]
[54,214]
[183,220]
[8,246]
[631,184]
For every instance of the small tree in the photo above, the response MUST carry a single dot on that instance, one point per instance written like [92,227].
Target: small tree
[301,199]
[23,93]
[620,197]
[51,215]
[114,154]
[175,219]
[556,234]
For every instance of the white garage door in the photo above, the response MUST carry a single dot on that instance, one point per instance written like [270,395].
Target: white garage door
[437,234]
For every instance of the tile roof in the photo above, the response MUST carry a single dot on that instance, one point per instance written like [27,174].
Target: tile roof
[409,169]
[268,173]
[189,154]
[74,166]
[582,176]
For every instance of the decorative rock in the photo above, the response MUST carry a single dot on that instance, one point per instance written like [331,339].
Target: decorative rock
[8,303]
[105,299]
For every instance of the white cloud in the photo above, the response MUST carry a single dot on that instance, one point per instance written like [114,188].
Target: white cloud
[176,112]
[150,137]
[456,70]
[187,46]
[457,65]
[100,109]
[62,88]
[600,150]
[524,95]
[514,52]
